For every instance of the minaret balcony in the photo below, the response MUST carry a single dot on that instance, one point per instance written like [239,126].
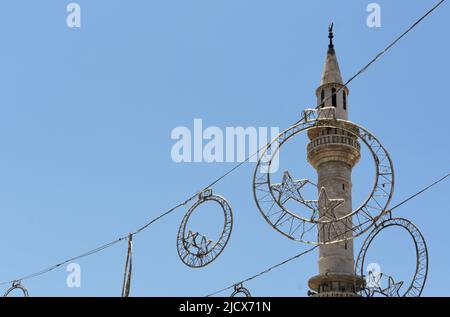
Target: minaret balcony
[333,139]
[333,147]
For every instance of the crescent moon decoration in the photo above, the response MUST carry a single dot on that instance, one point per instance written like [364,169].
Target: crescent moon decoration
[17,285]
[196,250]
[394,288]
[240,289]
[270,197]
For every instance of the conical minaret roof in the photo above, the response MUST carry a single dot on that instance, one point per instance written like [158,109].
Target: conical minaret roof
[332,92]
[331,72]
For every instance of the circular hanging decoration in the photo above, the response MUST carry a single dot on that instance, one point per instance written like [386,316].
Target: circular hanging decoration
[195,249]
[271,197]
[17,285]
[385,285]
[240,289]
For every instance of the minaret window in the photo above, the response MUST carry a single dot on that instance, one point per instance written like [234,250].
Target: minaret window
[333,98]
[322,97]
[344,99]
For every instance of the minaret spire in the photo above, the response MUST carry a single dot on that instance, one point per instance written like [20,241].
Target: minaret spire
[332,92]
[331,73]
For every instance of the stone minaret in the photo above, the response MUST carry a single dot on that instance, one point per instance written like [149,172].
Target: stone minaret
[333,153]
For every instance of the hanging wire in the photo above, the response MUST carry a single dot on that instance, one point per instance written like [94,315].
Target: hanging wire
[264,272]
[109,244]
[100,248]
[53,267]
[395,41]
[419,192]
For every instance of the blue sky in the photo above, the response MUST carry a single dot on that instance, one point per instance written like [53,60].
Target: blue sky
[86,116]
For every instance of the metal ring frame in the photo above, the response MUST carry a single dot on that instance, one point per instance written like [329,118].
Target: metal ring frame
[418,281]
[240,289]
[17,285]
[204,254]
[296,227]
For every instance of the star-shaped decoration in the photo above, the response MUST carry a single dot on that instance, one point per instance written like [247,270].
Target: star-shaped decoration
[289,189]
[202,246]
[392,290]
[325,205]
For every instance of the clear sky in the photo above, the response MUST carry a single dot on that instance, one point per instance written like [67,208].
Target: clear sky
[86,116]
